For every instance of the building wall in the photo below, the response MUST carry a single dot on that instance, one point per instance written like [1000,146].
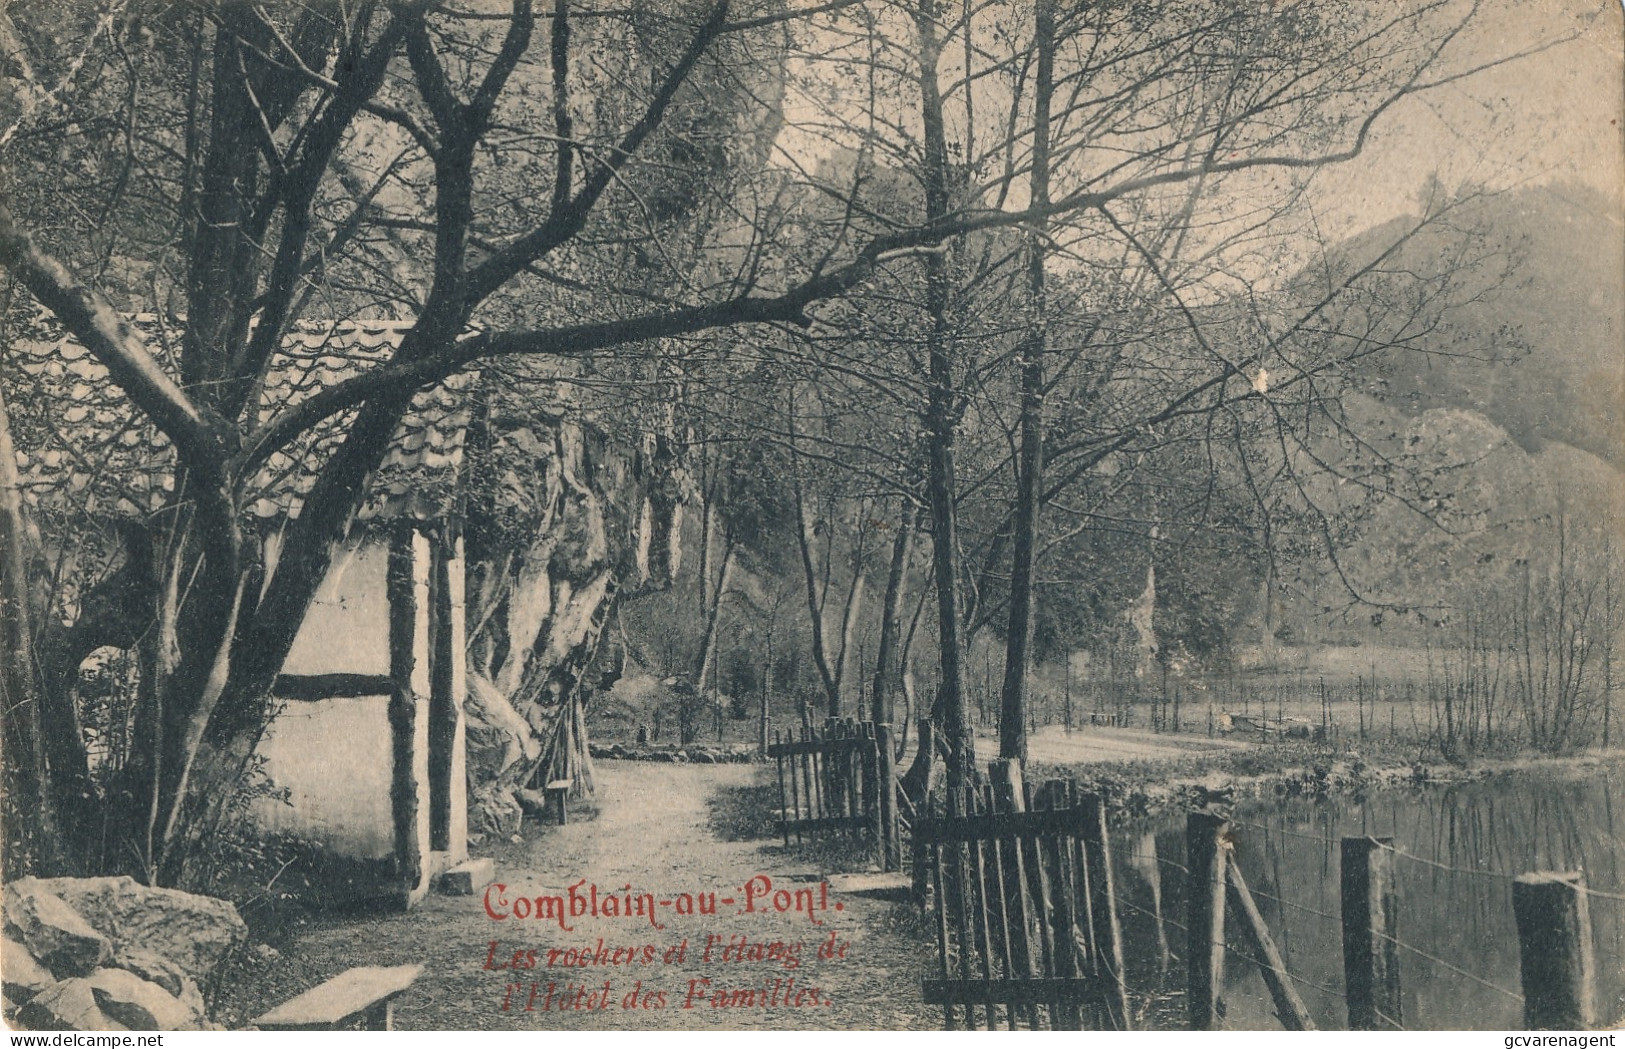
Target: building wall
[346,630]
[338,759]
[333,758]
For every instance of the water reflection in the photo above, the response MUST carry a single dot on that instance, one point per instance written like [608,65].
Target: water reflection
[1460,847]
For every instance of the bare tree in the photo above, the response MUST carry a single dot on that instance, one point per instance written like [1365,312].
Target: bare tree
[365,159]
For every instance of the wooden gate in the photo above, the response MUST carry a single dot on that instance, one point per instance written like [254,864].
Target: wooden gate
[837,782]
[1027,930]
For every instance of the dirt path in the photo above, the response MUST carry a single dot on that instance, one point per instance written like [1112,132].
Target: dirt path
[653,832]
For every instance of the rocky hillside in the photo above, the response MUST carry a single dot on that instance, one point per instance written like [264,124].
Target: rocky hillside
[1514,426]
[1564,302]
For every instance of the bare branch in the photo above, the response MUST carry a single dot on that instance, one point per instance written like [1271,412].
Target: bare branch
[107,335]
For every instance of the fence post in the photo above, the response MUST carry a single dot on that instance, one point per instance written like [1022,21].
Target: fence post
[1554,950]
[1107,932]
[1024,882]
[1205,835]
[1370,933]
[920,876]
[886,776]
[1289,1005]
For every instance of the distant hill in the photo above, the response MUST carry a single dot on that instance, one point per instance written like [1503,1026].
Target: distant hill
[1565,302]
[1492,506]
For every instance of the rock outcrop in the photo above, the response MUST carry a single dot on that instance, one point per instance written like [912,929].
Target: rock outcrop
[192,933]
[564,520]
[109,954]
[56,935]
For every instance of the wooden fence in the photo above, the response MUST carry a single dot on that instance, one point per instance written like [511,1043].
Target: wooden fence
[1556,954]
[1027,929]
[839,781]
[1021,892]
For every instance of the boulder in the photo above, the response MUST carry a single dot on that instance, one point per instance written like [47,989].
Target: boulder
[138,1004]
[191,996]
[24,977]
[164,973]
[532,802]
[492,810]
[68,1006]
[192,933]
[53,931]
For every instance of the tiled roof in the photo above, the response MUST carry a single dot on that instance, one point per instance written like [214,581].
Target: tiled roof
[80,442]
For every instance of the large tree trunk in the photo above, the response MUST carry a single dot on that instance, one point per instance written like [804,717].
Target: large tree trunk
[216,700]
[836,685]
[29,830]
[939,424]
[888,659]
[831,664]
[1030,455]
[921,776]
[705,659]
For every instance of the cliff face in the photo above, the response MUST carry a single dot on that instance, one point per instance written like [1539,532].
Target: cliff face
[561,520]
[569,511]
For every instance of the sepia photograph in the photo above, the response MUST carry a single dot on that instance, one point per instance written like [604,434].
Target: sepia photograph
[860,515]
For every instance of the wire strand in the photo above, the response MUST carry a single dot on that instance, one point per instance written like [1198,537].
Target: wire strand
[1588,890]
[1324,839]
[1295,977]
[1389,1020]
[1443,866]
[1154,917]
[1296,906]
[1411,856]
[1441,962]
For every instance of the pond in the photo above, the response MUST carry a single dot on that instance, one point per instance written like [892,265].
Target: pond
[1459,848]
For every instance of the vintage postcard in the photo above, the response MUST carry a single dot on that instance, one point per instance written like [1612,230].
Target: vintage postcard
[852,515]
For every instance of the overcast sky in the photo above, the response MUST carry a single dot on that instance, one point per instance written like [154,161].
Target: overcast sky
[1552,117]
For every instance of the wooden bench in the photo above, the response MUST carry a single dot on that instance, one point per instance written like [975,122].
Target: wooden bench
[558,790]
[366,993]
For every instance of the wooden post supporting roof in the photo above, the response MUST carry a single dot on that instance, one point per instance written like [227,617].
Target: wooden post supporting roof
[407,588]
